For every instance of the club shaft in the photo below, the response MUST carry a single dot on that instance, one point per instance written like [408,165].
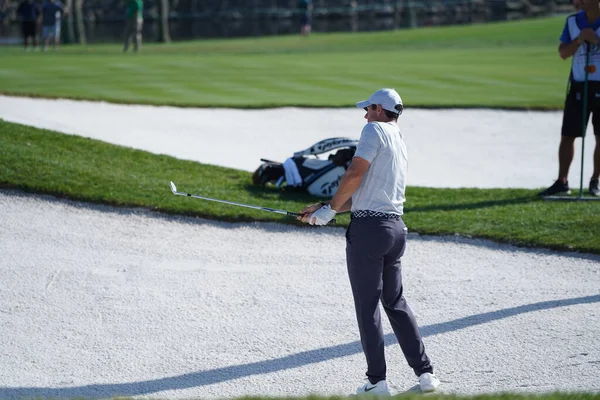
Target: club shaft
[233,203]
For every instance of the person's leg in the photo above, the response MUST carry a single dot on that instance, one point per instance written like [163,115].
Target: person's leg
[399,313]
[304,24]
[138,33]
[572,125]
[596,173]
[36,32]
[365,267]
[25,33]
[50,39]
[596,124]
[57,35]
[47,41]
[594,185]
[44,38]
[128,33]
[29,34]
[566,151]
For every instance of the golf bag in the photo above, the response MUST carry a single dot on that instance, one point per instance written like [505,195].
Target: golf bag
[305,171]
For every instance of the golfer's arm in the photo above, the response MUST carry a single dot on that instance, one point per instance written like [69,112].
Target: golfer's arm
[347,205]
[342,200]
[567,50]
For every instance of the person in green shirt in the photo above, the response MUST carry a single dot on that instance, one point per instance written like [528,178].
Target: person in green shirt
[134,19]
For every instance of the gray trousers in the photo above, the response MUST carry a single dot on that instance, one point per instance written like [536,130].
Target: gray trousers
[374,247]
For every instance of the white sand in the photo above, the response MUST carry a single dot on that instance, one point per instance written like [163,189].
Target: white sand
[99,302]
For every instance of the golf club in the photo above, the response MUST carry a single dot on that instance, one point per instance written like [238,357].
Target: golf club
[289,214]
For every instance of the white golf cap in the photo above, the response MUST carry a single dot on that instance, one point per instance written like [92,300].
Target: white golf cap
[387,98]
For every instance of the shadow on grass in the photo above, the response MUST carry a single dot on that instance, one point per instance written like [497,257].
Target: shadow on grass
[210,377]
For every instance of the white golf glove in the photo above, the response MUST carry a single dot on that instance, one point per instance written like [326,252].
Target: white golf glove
[322,216]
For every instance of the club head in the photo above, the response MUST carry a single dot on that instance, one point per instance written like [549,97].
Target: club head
[173,187]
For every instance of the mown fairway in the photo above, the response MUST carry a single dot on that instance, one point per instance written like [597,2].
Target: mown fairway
[512,64]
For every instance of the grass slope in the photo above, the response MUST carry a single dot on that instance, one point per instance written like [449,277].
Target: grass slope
[508,65]
[84,169]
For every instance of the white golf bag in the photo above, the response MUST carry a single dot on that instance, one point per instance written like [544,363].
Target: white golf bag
[305,171]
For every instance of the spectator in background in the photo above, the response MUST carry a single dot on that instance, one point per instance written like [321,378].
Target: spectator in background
[133,24]
[4,21]
[305,8]
[29,14]
[52,12]
[580,34]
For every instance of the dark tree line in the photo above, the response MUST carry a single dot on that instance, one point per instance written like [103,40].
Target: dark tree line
[87,12]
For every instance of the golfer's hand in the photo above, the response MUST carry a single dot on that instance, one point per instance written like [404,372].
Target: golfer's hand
[304,214]
[322,216]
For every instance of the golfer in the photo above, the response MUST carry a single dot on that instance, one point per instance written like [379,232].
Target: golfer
[373,190]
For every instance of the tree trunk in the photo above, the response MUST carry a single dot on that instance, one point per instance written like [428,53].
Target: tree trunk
[163,9]
[80,24]
[412,13]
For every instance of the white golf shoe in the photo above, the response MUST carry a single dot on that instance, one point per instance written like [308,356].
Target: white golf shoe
[428,382]
[378,389]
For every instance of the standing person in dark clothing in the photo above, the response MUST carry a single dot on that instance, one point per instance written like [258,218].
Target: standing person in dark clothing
[52,12]
[29,14]
[372,188]
[305,8]
[580,34]
[134,20]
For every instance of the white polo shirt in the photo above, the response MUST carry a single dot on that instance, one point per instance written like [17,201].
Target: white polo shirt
[383,185]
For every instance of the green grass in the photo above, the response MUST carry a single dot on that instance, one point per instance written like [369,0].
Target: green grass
[506,65]
[84,169]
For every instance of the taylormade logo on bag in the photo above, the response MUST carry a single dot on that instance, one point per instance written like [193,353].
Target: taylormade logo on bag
[332,144]
[329,188]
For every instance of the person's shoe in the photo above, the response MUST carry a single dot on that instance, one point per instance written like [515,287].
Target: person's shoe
[378,389]
[594,187]
[557,188]
[428,382]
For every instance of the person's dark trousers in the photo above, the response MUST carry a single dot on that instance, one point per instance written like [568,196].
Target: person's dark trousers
[374,247]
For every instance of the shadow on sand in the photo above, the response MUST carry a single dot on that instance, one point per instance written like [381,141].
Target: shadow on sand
[217,375]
